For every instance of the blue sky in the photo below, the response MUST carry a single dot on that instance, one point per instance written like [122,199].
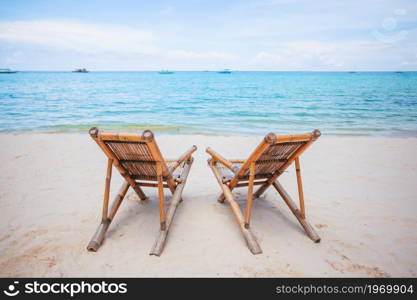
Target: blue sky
[209,35]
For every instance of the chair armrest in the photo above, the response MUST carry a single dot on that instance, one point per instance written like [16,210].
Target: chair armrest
[183,158]
[218,158]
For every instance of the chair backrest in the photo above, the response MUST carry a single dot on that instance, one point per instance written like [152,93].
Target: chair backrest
[137,154]
[275,153]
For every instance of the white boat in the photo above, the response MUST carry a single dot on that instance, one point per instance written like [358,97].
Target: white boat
[165,72]
[82,70]
[225,71]
[6,71]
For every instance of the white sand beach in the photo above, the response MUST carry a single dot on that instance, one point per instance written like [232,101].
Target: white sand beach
[360,193]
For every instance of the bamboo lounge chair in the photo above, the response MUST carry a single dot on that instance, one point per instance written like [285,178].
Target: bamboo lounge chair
[140,162]
[263,167]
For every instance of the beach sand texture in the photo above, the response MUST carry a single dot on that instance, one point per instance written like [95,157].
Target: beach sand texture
[360,195]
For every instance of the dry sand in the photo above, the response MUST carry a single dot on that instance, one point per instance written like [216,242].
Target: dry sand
[361,195]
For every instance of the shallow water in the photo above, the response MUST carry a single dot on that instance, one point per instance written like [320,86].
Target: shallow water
[243,103]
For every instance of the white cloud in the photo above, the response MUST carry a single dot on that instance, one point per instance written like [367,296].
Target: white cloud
[98,39]
[204,55]
[256,45]
[297,55]
[315,55]
[167,11]
[76,36]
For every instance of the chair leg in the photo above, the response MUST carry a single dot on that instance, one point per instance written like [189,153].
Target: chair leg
[161,196]
[300,187]
[181,165]
[262,189]
[250,194]
[221,198]
[107,189]
[293,207]
[158,247]
[139,192]
[98,236]
[247,233]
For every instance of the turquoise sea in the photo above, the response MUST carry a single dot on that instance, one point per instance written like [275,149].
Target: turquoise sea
[242,103]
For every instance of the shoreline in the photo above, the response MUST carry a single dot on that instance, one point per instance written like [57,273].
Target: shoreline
[167,133]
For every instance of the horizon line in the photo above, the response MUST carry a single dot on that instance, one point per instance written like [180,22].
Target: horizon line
[217,70]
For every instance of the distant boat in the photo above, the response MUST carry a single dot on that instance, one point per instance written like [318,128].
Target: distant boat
[166,72]
[6,71]
[399,72]
[225,71]
[352,72]
[82,70]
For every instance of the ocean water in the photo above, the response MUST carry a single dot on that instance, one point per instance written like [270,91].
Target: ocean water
[241,103]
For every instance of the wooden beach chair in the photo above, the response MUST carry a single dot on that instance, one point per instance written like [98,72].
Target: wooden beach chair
[140,162]
[263,167]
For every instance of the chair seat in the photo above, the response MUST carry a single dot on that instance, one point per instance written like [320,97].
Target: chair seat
[227,174]
[151,177]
